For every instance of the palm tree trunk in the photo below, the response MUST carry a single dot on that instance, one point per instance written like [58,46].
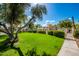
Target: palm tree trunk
[73,25]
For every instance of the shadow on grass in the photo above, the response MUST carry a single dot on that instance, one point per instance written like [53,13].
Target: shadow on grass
[33,52]
[2,36]
[18,50]
[4,46]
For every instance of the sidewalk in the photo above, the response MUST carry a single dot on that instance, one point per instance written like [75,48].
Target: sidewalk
[69,47]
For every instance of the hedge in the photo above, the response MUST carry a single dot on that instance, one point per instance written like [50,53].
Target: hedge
[60,34]
[56,33]
[34,31]
[43,32]
[50,32]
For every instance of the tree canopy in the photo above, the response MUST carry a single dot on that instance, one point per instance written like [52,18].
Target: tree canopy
[65,23]
[13,14]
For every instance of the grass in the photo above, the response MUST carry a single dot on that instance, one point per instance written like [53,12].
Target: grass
[42,42]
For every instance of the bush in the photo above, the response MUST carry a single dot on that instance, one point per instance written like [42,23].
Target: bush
[76,34]
[29,31]
[60,34]
[43,32]
[56,33]
[50,32]
[34,31]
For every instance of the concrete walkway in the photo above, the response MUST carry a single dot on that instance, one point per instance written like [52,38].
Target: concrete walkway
[69,47]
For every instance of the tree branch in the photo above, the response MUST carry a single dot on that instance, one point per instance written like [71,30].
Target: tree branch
[25,25]
[6,30]
[3,31]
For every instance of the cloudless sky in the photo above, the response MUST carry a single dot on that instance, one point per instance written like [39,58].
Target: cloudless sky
[60,11]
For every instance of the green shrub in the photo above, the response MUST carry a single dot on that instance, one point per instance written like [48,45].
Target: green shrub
[76,34]
[50,32]
[60,34]
[29,31]
[34,31]
[43,32]
[56,33]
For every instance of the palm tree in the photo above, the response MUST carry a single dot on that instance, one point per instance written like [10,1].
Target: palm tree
[14,14]
[65,24]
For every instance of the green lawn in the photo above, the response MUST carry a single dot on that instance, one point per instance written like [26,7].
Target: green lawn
[43,43]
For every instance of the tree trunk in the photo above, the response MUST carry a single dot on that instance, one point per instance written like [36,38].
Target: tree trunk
[13,42]
[13,39]
[73,24]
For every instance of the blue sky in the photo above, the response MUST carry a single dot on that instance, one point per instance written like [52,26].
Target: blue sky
[60,11]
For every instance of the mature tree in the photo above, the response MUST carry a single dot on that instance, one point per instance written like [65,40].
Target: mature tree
[65,24]
[11,16]
[38,26]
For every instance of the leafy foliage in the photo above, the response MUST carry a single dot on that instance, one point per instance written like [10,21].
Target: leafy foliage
[14,12]
[56,33]
[12,15]
[50,32]
[38,11]
[65,24]
[60,34]
[76,34]
[43,32]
